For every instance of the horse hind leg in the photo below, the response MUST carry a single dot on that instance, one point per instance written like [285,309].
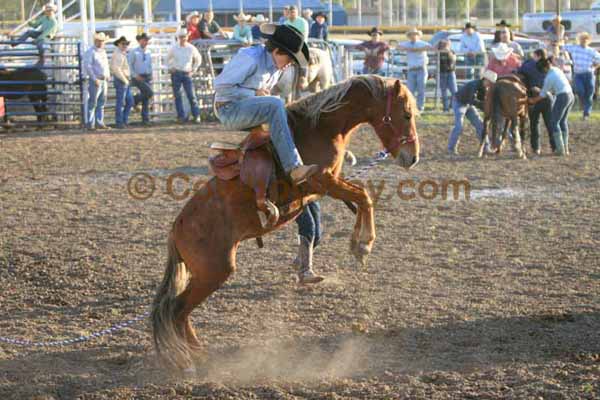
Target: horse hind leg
[484,135]
[518,144]
[185,285]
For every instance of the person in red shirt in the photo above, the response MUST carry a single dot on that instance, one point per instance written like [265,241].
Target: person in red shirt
[192,24]
[374,52]
[504,61]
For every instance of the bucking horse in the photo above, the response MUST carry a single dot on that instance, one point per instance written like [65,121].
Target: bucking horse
[205,236]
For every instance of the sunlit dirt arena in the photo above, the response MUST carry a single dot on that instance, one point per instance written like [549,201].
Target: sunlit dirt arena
[495,294]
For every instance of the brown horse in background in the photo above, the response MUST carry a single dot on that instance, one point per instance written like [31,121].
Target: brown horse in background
[506,105]
[205,236]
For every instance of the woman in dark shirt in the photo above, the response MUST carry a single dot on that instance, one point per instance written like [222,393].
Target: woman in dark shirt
[447,73]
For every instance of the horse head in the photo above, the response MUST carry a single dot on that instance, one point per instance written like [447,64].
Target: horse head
[395,124]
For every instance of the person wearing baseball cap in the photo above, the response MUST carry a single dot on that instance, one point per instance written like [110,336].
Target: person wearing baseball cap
[97,69]
[465,103]
[183,61]
[140,60]
[44,29]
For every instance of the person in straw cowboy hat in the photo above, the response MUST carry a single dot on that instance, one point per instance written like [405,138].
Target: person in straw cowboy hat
[97,69]
[243,100]
[242,31]
[44,29]
[183,61]
[375,50]
[192,24]
[503,61]
[585,61]
[119,67]
[258,21]
[465,103]
[417,61]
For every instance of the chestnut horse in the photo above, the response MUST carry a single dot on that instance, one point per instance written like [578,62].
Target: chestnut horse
[204,238]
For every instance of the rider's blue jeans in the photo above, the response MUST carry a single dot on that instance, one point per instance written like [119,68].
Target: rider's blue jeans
[254,111]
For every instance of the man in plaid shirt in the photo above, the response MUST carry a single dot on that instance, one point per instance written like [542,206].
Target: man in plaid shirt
[585,61]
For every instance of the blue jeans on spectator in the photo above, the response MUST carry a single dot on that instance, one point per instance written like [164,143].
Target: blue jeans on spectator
[309,223]
[179,79]
[96,100]
[144,96]
[559,120]
[543,109]
[417,78]
[474,60]
[254,111]
[124,102]
[447,84]
[584,86]
[460,111]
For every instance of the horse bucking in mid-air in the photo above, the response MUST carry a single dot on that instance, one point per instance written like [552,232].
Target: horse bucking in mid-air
[204,237]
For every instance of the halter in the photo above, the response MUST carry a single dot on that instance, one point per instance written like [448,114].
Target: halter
[386,121]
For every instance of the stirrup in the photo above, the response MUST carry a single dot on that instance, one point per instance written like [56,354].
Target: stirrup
[270,220]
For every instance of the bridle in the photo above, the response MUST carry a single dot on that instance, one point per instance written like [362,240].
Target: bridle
[386,121]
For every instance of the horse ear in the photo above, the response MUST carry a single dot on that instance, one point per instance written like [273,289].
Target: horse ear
[397,88]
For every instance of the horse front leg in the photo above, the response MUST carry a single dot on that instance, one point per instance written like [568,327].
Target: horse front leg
[363,237]
[484,135]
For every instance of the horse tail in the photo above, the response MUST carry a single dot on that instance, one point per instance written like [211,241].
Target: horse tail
[168,342]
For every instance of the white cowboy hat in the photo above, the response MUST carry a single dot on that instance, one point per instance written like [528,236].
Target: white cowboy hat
[502,51]
[50,7]
[260,18]
[192,15]
[101,36]
[242,17]
[414,31]
[490,75]
[181,32]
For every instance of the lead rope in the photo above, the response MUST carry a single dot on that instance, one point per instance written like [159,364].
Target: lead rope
[358,174]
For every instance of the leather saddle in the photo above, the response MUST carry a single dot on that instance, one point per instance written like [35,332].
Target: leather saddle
[255,162]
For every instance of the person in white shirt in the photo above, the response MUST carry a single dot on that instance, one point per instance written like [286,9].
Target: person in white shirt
[96,68]
[417,62]
[119,67]
[183,60]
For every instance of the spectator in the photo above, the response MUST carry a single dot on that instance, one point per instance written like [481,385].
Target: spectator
[297,22]
[183,60]
[44,29]
[472,45]
[98,72]
[374,52]
[140,62]
[119,67]
[241,31]
[561,60]
[209,28]
[258,21]
[447,66]
[503,34]
[193,26]
[504,60]
[319,29]
[556,83]
[416,62]
[465,103]
[534,80]
[307,14]
[285,15]
[585,62]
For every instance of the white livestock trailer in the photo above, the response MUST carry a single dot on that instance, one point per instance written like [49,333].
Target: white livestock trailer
[573,21]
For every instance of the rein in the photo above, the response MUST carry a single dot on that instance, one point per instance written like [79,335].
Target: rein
[386,121]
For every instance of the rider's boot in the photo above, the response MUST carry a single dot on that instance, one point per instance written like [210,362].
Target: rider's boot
[306,275]
[302,172]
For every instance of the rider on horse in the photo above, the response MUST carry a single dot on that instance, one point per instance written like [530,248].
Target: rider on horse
[243,101]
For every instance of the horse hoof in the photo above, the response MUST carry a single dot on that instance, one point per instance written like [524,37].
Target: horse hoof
[362,259]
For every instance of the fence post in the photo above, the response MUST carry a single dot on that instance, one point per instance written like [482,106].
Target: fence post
[82,97]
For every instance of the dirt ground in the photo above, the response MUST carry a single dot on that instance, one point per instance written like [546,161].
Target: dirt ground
[492,297]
